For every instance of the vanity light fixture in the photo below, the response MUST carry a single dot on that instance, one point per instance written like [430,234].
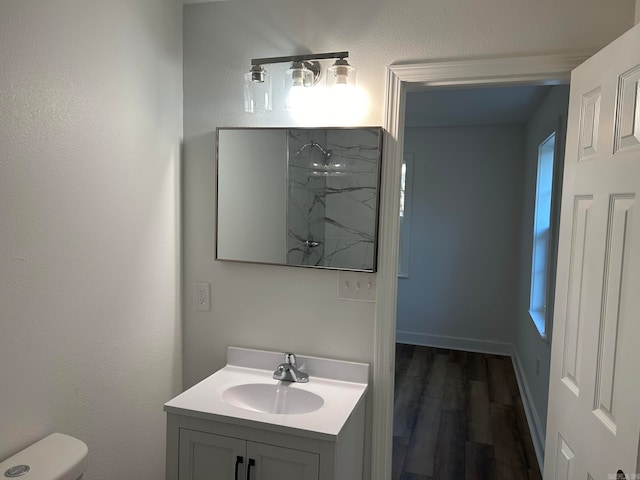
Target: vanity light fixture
[304,73]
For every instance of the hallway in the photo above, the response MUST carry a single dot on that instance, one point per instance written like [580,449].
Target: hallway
[459,415]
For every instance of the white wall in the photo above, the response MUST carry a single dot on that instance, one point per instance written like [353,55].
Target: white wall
[529,346]
[465,221]
[90,123]
[293,308]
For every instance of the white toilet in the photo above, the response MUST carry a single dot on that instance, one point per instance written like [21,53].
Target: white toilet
[56,457]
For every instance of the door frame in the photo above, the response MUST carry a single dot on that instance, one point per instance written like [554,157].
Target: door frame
[528,70]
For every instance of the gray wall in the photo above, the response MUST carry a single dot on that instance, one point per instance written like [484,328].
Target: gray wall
[90,122]
[466,205]
[529,346]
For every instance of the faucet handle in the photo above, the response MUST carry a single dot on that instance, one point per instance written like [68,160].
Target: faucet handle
[290,359]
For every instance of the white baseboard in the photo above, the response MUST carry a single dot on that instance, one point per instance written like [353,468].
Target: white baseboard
[529,409]
[498,348]
[455,343]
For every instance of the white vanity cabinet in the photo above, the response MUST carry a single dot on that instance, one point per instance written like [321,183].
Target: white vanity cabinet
[206,456]
[210,436]
[199,449]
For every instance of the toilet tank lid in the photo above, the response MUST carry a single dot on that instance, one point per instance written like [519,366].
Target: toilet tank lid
[56,457]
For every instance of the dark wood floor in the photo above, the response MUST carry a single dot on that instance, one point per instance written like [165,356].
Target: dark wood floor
[459,415]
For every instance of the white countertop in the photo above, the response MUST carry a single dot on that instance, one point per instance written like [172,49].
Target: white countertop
[204,400]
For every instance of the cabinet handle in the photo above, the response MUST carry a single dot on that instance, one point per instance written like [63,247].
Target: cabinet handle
[252,463]
[239,460]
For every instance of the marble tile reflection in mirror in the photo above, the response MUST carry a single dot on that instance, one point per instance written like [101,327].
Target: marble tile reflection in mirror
[301,197]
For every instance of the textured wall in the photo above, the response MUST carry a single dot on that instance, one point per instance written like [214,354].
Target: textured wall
[90,124]
[465,233]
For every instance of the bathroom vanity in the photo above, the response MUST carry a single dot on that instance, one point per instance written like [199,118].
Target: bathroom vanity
[241,424]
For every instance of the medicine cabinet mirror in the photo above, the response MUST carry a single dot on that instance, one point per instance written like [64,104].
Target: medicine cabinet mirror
[298,196]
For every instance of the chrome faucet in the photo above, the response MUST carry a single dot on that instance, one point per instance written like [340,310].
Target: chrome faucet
[288,372]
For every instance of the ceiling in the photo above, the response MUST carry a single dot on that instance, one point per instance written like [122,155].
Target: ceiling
[440,107]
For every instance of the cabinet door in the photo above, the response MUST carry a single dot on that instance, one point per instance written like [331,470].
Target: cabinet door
[277,463]
[204,456]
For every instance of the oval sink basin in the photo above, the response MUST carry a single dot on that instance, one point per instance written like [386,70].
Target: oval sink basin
[269,398]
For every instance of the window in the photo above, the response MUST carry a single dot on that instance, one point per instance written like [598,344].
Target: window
[542,264]
[406,180]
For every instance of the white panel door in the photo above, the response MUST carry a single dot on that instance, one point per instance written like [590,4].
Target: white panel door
[593,426]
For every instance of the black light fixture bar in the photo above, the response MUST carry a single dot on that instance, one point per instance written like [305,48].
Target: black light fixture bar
[298,58]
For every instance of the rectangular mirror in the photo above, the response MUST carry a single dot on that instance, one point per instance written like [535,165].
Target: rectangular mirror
[298,196]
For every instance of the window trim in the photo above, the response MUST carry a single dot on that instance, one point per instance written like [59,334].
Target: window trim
[544,317]
[404,254]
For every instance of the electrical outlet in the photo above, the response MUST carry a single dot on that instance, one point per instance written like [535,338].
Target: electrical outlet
[202,297]
[357,286]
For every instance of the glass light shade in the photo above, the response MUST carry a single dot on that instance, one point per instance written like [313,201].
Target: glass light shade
[297,79]
[257,90]
[341,74]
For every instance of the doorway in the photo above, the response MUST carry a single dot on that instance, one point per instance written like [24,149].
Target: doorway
[464,279]
[402,78]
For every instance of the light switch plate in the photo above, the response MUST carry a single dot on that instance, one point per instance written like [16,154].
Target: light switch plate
[359,286]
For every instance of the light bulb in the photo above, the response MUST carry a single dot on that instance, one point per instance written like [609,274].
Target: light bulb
[297,79]
[341,74]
